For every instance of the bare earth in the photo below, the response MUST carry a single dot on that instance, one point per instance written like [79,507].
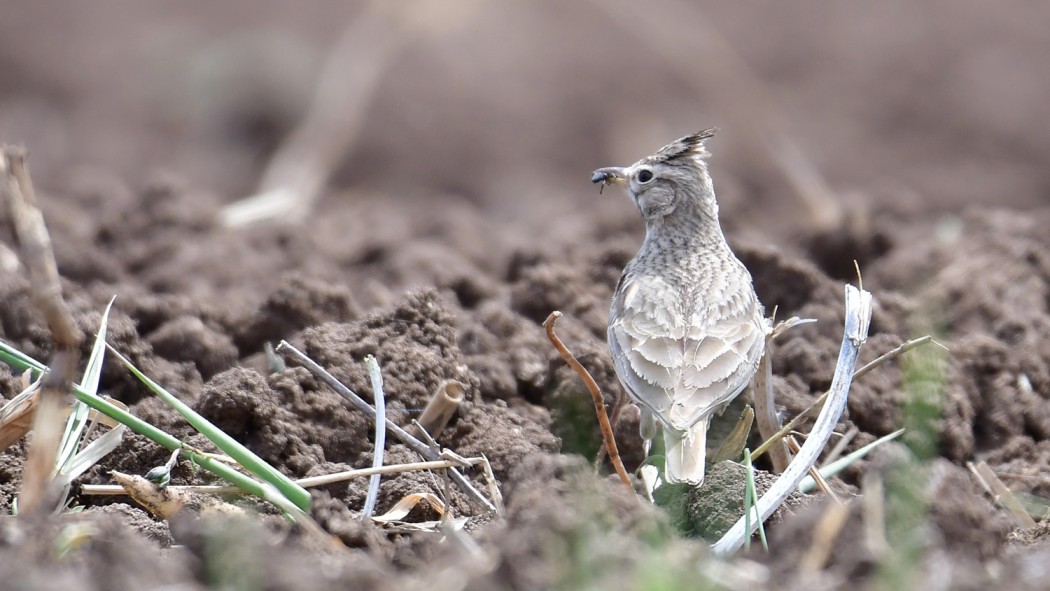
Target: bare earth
[462,216]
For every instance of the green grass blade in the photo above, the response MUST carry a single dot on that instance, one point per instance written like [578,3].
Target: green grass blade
[808,484]
[748,504]
[93,371]
[230,446]
[78,417]
[246,483]
[750,500]
[20,360]
[169,442]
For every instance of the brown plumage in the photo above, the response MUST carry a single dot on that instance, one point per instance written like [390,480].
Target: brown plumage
[686,329]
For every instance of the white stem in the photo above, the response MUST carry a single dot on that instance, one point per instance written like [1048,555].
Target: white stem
[858,319]
[377,456]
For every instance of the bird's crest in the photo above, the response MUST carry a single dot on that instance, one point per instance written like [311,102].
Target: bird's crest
[691,146]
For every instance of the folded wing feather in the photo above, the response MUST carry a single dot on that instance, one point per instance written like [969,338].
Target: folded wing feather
[684,368]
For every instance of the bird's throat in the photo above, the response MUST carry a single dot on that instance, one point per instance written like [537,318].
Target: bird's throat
[690,232]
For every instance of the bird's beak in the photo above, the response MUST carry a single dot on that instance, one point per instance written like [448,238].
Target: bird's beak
[609,176]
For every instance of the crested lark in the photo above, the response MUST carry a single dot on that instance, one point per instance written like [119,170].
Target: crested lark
[686,329]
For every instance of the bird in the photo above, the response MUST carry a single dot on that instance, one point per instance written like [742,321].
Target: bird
[686,328]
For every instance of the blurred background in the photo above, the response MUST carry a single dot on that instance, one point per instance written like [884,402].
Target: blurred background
[889,108]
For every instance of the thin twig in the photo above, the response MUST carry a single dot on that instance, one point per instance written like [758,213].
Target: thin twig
[813,472]
[887,356]
[858,320]
[897,352]
[830,469]
[486,470]
[840,445]
[596,395]
[389,469]
[441,474]
[377,456]
[619,403]
[400,434]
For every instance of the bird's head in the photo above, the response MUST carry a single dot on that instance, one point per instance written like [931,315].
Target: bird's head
[661,183]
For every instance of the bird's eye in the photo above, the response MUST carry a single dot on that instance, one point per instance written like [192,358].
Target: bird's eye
[645,175]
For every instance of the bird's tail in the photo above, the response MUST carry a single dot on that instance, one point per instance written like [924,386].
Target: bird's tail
[686,454]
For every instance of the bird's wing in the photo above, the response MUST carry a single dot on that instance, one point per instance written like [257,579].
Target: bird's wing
[684,365]
[719,358]
[638,319]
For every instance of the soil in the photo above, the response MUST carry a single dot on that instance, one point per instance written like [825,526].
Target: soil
[462,216]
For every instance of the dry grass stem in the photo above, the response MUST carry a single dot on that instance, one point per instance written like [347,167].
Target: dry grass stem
[37,253]
[400,434]
[766,411]
[824,535]
[108,489]
[16,417]
[442,407]
[402,508]
[734,444]
[55,391]
[895,353]
[874,511]
[765,399]
[486,470]
[817,404]
[1001,493]
[840,445]
[596,394]
[37,496]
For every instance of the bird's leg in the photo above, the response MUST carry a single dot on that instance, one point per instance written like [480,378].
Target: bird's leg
[647,429]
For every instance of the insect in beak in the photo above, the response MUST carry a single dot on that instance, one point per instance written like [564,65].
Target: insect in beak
[607,176]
